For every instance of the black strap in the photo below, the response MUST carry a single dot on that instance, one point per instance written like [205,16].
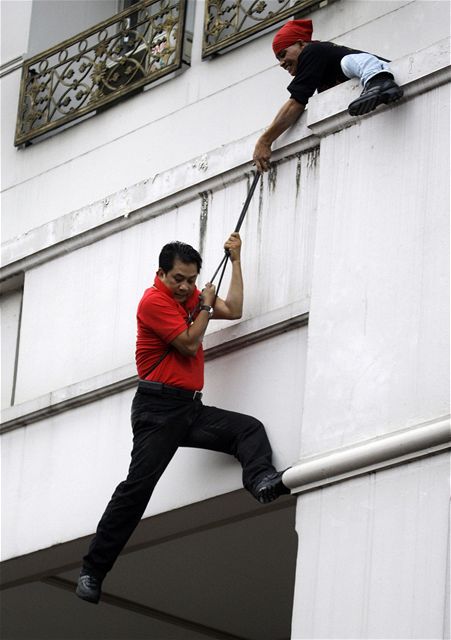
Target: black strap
[226,255]
[155,364]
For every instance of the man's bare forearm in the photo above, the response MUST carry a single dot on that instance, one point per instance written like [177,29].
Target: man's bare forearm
[188,342]
[232,307]
[287,115]
[234,299]
[285,118]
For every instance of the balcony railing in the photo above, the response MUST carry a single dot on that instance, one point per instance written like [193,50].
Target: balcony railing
[99,66]
[227,23]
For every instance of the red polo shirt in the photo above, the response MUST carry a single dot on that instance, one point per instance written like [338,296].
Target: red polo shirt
[161,319]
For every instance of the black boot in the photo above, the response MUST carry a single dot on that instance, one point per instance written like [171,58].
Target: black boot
[88,587]
[381,89]
[270,487]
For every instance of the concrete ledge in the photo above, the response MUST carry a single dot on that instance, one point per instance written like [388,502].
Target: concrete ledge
[133,205]
[326,113]
[417,73]
[216,344]
[368,456]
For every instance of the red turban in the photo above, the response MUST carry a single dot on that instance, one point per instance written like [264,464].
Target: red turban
[292,32]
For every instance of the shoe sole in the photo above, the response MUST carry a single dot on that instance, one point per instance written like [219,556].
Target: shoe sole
[366,105]
[86,597]
[266,495]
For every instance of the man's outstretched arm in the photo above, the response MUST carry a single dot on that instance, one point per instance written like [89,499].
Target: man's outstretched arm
[232,307]
[285,118]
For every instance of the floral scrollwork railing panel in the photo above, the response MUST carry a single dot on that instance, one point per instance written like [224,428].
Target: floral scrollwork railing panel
[99,66]
[228,22]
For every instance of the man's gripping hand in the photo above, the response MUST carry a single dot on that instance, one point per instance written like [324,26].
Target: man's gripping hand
[208,294]
[262,155]
[285,118]
[233,246]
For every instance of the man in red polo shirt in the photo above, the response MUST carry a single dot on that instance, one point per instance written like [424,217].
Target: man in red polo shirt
[167,411]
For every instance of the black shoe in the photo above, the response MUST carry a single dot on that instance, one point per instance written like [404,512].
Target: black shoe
[270,487]
[88,587]
[381,89]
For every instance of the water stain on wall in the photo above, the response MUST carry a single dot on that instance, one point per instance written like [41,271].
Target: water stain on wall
[272,177]
[203,220]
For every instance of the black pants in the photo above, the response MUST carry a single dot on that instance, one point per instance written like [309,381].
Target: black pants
[161,424]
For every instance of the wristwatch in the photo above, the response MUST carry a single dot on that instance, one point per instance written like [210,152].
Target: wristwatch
[207,307]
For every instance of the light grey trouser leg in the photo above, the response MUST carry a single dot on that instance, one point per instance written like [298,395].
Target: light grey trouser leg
[363,66]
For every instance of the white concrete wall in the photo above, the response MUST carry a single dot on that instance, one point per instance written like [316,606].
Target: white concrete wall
[159,128]
[83,305]
[15,28]
[379,322]
[88,322]
[10,305]
[52,22]
[372,559]
[373,551]
[355,233]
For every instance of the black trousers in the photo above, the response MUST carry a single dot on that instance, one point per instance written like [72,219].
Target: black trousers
[160,425]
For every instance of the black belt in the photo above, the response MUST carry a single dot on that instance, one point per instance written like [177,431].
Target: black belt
[160,389]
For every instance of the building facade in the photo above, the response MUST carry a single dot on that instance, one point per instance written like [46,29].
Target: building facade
[126,125]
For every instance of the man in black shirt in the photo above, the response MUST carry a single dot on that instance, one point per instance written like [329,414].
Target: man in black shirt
[317,66]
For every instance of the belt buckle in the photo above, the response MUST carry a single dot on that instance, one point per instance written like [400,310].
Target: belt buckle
[197,394]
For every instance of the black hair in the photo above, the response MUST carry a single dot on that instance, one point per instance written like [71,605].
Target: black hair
[178,251]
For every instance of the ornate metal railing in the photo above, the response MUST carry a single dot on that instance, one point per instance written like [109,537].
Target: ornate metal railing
[228,22]
[99,66]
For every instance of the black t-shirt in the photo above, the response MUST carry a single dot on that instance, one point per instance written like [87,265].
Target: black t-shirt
[318,69]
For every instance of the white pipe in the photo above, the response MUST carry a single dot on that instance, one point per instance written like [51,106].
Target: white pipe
[360,458]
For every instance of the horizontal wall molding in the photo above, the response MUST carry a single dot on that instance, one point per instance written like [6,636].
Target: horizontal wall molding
[12,65]
[268,325]
[327,112]
[368,456]
[216,344]
[131,206]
